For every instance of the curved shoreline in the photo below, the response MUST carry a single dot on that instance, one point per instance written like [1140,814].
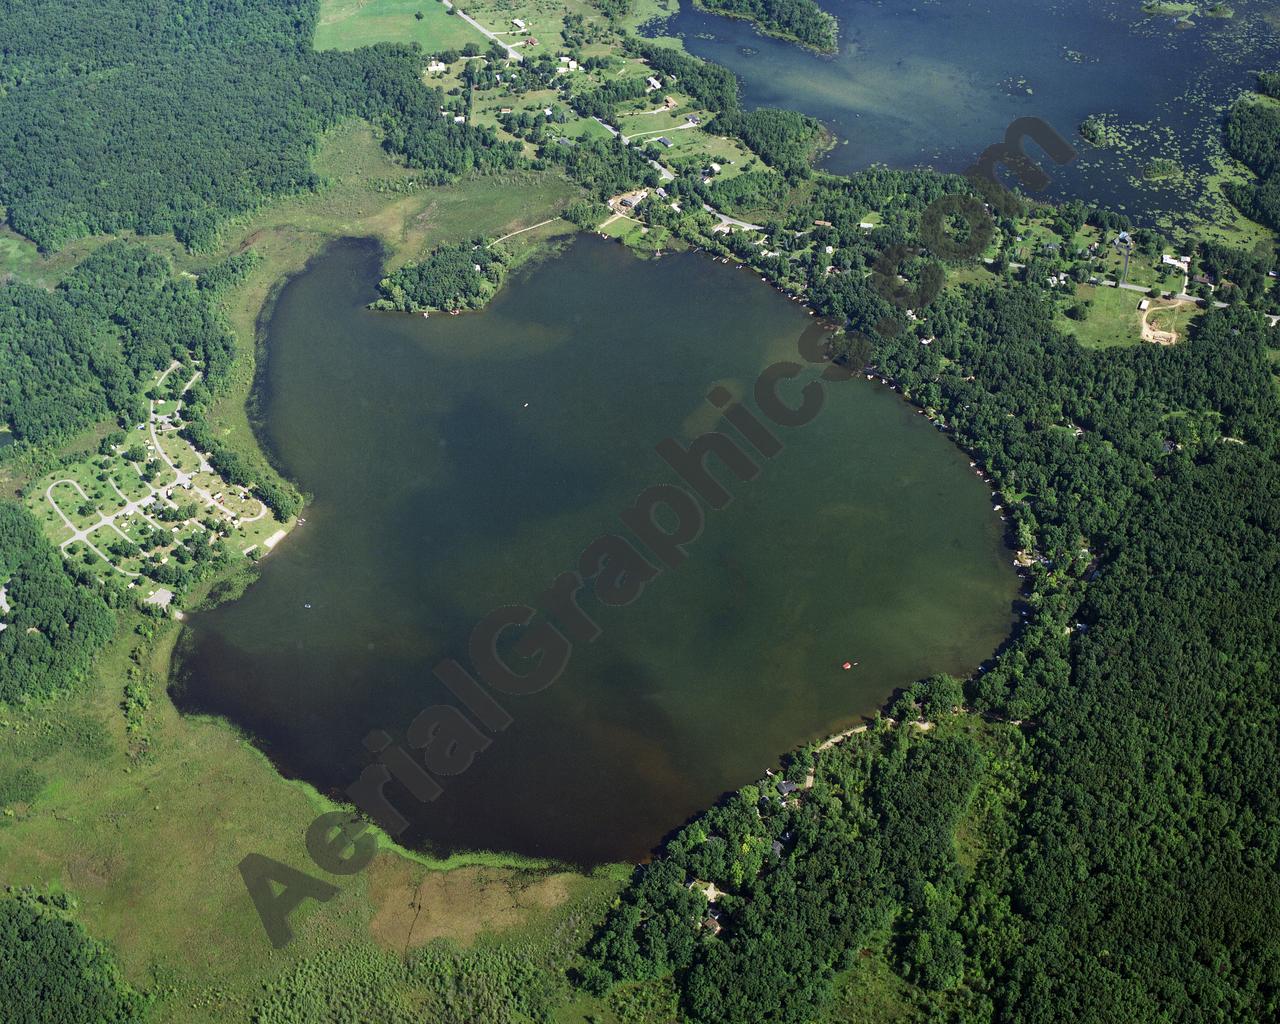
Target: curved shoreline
[463,857]
[786,37]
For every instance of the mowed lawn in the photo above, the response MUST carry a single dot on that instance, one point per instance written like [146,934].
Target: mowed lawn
[347,24]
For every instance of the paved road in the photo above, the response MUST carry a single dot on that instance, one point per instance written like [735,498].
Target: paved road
[658,131]
[512,52]
[726,219]
[83,535]
[186,478]
[662,170]
[1108,283]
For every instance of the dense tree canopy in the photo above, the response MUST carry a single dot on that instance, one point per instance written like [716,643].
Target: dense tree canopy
[55,623]
[461,276]
[711,85]
[782,138]
[604,166]
[1136,882]
[802,20]
[51,972]
[90,347]
[121,116]
[1253,137]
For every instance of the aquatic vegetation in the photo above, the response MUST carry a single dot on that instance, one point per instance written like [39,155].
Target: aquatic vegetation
[1098,131]
[1161,167]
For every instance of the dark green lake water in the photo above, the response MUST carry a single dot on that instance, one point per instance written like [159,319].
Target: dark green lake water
[439,495]
[934,83]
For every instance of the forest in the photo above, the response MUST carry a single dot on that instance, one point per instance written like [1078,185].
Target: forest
[604,167]
[452,277]
[91,347]
[57,620]
[783,139]
[711,85]
[1253,138]
[223,98]
[51,972]
[801,20]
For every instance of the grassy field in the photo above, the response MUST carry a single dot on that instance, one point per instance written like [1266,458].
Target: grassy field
[347,24]
[1114,318]
[543,20]
[17,255]
[368,194]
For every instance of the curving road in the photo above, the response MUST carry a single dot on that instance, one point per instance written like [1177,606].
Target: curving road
[512,52]
[131,507]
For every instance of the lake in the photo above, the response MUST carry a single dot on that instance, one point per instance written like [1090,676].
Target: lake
[933,84]
[459,463]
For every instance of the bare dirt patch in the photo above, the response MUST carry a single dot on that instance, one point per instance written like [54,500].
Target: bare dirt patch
[1157,335]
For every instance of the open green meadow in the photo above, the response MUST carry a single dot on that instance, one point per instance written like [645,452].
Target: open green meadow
[1114,318]
[347,24]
